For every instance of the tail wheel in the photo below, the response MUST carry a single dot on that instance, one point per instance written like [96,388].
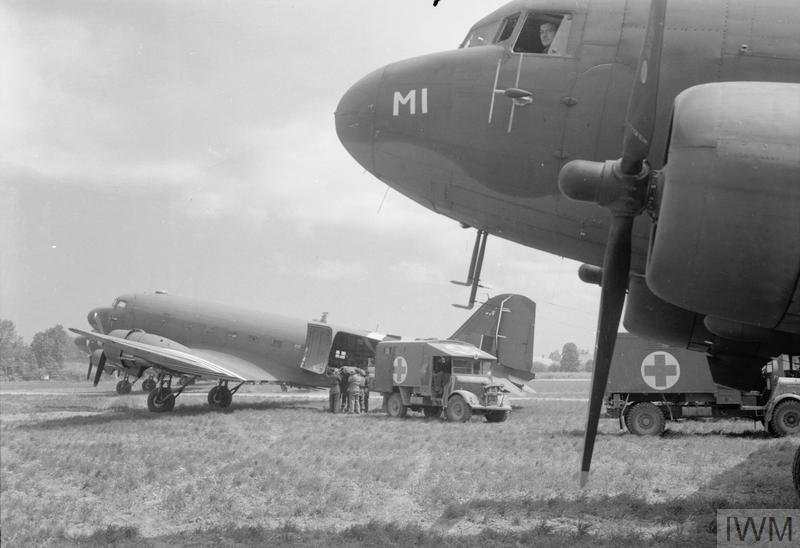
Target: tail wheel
[786,418]
[394,405]
[458,410]
[161,400]
[496,416]
[646,419]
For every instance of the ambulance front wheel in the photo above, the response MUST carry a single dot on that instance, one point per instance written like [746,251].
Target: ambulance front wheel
[646,419]
[394,405]
[458,410]
[786,418]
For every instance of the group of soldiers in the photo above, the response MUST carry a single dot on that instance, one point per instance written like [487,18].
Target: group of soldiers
[350,391]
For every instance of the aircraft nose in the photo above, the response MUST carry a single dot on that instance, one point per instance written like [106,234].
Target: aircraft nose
[355,118]
[99,318]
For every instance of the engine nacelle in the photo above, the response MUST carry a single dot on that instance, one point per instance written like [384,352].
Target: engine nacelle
[727,239]
[138,335]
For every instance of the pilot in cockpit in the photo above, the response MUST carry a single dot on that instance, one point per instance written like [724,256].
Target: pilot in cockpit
[547,31]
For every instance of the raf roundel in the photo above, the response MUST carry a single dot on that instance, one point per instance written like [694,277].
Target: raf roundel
[660,370]
[400,370]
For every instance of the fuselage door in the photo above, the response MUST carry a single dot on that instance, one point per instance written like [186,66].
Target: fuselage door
[319,339]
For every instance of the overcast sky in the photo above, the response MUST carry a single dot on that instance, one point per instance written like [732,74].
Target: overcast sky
[190,146]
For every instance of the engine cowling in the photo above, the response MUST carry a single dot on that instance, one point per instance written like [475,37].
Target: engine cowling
[727,239]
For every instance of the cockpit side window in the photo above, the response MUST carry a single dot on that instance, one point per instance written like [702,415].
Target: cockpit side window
[544,33]
[120,304]
[508,27]
[482,36]
[492,33]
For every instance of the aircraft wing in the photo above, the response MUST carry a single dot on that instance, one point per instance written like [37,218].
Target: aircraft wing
[184,362]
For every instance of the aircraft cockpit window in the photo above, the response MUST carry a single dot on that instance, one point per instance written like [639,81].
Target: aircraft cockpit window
[120,304]
[508,28]
[544,33]
[482,36]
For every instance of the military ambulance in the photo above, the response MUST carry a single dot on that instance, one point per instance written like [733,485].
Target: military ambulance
[436,375]
[651,383]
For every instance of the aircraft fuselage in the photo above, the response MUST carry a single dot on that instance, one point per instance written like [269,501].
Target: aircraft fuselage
[479,134]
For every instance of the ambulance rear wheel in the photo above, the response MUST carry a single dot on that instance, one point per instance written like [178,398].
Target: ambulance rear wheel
[786,418]
[646,419]
[796,471]
[394,405]
[148,385]
[458,410]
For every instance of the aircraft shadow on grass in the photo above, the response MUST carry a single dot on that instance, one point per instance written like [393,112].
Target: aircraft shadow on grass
[762,480]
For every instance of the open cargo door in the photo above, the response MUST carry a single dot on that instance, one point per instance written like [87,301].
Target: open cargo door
[318,347]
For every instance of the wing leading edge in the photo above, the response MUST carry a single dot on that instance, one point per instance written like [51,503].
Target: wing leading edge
[176,361]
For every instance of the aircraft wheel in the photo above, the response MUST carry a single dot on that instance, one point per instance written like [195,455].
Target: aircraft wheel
[123,387]
[646,419]
[161,400]
[220,396]
[786,418]
[458,410]
[148,385]
[496,416]
[796,471]
[431,412]
[394,405]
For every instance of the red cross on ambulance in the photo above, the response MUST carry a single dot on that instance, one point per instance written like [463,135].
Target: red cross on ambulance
[400,370]
[660,370]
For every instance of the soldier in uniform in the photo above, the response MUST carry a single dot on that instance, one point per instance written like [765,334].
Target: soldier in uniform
[335,392]
[354,392]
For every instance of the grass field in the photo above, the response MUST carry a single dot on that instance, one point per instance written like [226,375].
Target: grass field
[81,466]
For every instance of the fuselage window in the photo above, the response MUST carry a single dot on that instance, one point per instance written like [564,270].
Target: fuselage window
[120,304]
[544,33]
[482,36]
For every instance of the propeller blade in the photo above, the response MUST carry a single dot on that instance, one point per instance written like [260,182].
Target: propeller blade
[101,365]
[89,373]
[640,119]
[616,263]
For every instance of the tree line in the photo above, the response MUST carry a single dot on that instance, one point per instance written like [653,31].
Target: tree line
[569,359]
[44,357]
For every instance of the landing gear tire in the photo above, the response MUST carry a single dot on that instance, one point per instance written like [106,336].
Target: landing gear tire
[395,407]
[148,385]
[646,419]
[161,400]
[123,387]
[458,410]
[496,416]
[431,412]
[786,418]
[220,396]
[796,471]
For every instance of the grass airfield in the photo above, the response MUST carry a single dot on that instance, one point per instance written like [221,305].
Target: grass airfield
[82,466]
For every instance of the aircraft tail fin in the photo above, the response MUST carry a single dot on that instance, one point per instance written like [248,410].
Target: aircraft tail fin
[504,326]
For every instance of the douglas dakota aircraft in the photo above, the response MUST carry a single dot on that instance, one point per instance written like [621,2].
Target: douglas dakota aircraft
[657,144]
[201,339]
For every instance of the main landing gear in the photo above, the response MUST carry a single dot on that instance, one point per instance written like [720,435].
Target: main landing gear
[221,396]
[162,399]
